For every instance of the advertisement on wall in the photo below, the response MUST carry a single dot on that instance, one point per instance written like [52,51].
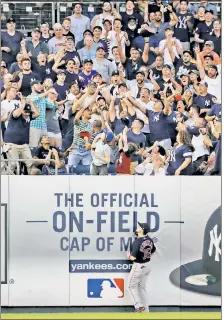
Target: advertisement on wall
[68,240]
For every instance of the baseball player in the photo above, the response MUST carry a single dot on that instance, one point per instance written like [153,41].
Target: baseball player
[142,250]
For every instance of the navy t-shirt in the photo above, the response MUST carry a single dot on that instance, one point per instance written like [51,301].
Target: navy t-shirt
[61,90]
[12,42]
[215,110]
[177,158]
[27,79]
[203,30]
[157,126]
[204,102]
[86,78]
[131,68]
[142,249]
[71,77]
[18,130]
[181,30]
[171,125]
[45,71]
[119,125]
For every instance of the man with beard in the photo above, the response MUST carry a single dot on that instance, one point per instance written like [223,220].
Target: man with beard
[135,86]
[157,70]
[159,27]
[25,77]
[133,64]
[109,13]
[213,78]
[204,100]
[185,63]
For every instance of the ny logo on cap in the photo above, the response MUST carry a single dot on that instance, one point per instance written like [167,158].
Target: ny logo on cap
[214,242]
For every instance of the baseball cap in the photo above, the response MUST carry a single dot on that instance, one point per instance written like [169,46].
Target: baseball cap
[132,18]
[28,108]
[36,30]
[11,20]
[97,74]
[169,28]
[115,73]
[145,227]
[109,135]
[88,61]
[203,83]
[195,72]
[92,83]
[141,72]
[203,275]
[213,66]
[209,43]
[209,11]
[32,83]
[100,48]
[61,71]
[70,38]
[209,56]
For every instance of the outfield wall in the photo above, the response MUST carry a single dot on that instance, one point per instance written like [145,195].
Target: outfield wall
[62,237]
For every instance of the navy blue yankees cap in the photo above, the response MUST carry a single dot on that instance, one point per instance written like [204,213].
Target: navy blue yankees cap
[204,275]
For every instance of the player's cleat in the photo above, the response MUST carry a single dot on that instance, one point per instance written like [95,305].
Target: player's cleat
[140,309]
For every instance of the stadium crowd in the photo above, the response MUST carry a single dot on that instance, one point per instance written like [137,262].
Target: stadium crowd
[137,92]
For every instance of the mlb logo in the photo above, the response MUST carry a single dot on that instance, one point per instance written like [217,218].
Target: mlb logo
[105,288]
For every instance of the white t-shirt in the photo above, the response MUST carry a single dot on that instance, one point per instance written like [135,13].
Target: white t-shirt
[142,116]
[200,149]
[113,42]
[9,106]
[214,86]
[166,56]
[147,170]
[68,105]
[133,87]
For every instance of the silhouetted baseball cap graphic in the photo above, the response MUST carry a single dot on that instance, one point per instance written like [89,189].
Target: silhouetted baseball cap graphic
[204,276]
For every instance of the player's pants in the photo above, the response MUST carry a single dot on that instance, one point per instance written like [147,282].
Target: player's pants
[137,284]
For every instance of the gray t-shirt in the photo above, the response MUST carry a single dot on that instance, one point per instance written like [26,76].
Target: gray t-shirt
[52,121]
[160,31]
[78,26]
[40,48]
[105,68]
[54,45]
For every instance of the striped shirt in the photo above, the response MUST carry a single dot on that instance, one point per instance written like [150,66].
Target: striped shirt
[81,126]
[42,104]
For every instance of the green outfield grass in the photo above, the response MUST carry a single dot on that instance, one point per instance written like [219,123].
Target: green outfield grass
[124,316]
